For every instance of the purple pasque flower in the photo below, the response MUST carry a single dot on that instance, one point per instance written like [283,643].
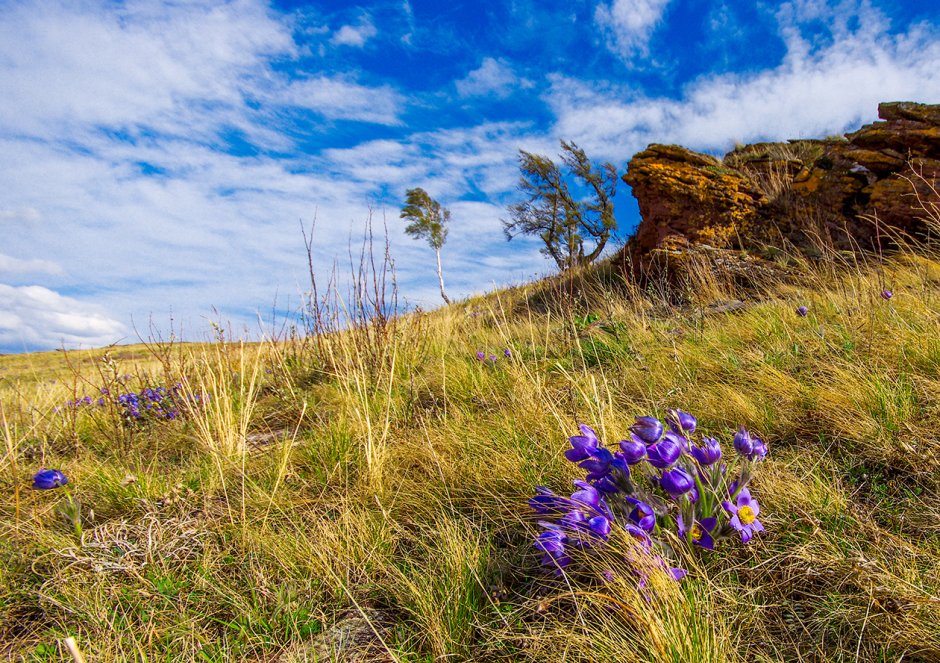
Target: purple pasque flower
[665,452]
[886,294]
[642,514]
[481,355]
[640,535]
[582,446]
[633,450]
[547,502]
[507,353]
[744,515]
[701,531]
[676,482]
[47,479]
[552,543]
[707,454]
[802,311]
[598,465]
[759,451]
[676,573]
[743,442]
[588,496]
[648,429]
[681,422]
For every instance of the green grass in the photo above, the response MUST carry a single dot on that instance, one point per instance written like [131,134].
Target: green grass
[380,479]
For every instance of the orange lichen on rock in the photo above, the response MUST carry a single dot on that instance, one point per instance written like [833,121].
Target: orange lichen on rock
[834,190]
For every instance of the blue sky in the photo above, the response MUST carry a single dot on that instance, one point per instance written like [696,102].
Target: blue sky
[157,159]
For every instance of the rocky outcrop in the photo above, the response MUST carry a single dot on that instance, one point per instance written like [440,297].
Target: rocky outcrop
[855,192]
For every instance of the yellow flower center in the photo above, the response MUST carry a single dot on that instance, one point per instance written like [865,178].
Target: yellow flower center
[696,532]
[746,515]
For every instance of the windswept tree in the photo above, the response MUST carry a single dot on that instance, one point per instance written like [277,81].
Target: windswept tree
[563,220]
[428,221]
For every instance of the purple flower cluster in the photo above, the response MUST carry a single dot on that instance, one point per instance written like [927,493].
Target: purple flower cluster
[148,404]
[661,479]
[491,359]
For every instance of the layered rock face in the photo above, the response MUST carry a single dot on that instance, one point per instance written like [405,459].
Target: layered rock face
[851,193]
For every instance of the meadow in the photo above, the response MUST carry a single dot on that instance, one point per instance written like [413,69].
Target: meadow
[361,493]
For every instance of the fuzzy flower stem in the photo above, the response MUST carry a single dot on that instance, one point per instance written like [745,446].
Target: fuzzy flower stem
[73,511]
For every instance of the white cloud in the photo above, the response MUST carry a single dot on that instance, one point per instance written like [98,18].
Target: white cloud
[132,64]
[354,35]
[34,317]
[629,24]
[33,266]
[815,91]
[20,215]
[337,98]
[494,78]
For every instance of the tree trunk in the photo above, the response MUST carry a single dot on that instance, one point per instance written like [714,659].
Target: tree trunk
[440,276]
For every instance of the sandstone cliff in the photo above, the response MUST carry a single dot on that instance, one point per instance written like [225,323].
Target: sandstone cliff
[852,193]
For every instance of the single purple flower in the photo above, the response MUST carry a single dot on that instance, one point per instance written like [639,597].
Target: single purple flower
[547,502]
[648,429]
[676,573]
[707,454]
[642,514]
[802,311]
[744,515]
[886,294]
[492,359]
[677,482]
[607,485]
[639,535]
[552,543]
[664,453]
[481,355]
[681,422]
[743,442]
[600,526]
[583,446]
[507,353]
[701,531]
[586,494]
[47,479]
[759,451]
[598,465]
[634,449]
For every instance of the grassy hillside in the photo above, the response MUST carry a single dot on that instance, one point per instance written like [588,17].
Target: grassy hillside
[364,497]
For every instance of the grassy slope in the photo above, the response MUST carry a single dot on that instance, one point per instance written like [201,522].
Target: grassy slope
[395,485]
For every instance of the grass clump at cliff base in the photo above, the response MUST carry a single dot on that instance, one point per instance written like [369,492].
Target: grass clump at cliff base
[363,496]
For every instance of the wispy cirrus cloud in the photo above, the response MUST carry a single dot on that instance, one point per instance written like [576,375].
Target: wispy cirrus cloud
[338,98]
[13,265]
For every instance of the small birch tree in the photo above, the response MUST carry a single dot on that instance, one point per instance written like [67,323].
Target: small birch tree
[428,221]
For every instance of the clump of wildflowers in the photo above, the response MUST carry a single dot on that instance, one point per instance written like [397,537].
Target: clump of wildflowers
[492,359]
[662,487]
[147,404]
